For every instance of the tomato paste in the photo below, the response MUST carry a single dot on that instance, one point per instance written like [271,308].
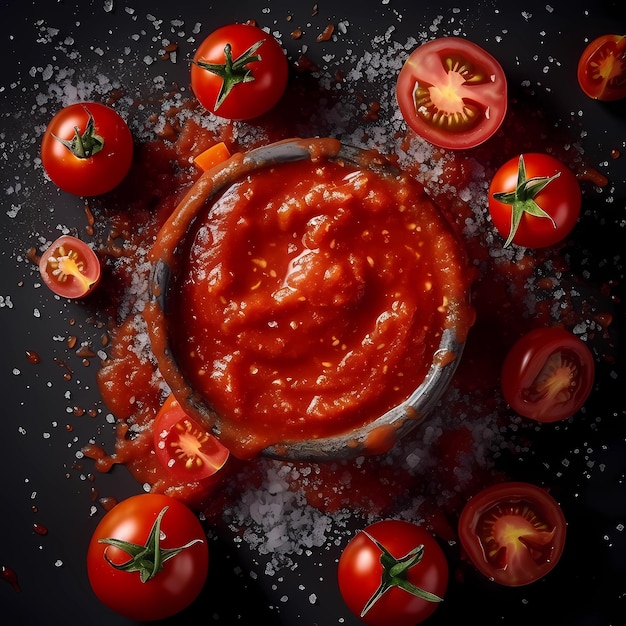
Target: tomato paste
[310,298]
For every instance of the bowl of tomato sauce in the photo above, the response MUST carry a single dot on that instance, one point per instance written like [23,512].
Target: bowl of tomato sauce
[308,301]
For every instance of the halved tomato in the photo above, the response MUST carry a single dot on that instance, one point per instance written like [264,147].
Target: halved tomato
[548,374]
[184,446]
[514,532]
[69,267]
[452,93]
[602,68]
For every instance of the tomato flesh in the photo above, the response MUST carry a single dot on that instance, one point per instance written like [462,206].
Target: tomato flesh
[183,446]
[70,268]
[602,68]
[548,374]
[452,93]
[513,533]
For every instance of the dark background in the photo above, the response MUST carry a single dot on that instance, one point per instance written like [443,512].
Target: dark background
[44,482]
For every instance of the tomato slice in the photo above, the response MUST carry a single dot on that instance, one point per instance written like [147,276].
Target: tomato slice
[514,533]
[452,93]
[70,268]
[185,447]
[548,374]
[602,68]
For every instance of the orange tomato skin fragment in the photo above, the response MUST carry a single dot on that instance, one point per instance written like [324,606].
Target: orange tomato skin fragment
[212,156]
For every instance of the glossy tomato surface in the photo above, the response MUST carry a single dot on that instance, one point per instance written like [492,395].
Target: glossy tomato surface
[513,533]
[452,93]
[94,171]
[179,580]
[360,573]
[558,202]
[602,68]
[183,446]
[239,72]
[548,374]
[70,267]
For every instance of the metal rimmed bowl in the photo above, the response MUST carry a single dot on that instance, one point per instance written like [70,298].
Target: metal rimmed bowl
[371,437]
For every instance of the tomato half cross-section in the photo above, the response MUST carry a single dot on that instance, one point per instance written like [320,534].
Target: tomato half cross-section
[148,557]
[87,149]
[184,446]
[513,533]
[393,572]
[602,68]
[239,72]
[452,93]
[69,267]
[548,374]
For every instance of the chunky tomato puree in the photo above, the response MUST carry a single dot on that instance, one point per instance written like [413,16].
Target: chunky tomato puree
[312,299]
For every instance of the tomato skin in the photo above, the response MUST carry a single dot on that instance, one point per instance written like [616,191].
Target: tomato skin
[360,571]
[548,374]
[175,586]
[561,199]
[602,68]
[513,533]
[70,268]
[441,66]
[183,446]
[246,100]
[94,175]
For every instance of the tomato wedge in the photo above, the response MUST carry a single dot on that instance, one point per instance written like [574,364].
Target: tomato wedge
[70,268]
[452,93]
[514,533]
[548,374]
[185,447]
[602,68]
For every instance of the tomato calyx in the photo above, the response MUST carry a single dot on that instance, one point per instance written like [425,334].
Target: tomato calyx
[146,559]
[232,72]
[85,145]
[395,573]
[522,200]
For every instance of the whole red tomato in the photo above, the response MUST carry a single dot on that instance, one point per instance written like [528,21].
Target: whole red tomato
[602,68]
[87,149]
[514,533]
[452,93]
[547,374]
[239,72]
[148,557]
[393,572]
[69,267]
[534,200]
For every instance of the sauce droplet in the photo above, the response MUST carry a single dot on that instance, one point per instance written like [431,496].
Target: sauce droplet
[7,574]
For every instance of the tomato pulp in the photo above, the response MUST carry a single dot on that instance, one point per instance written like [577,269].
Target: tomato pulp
[452,93]
[311,299]
[513,532]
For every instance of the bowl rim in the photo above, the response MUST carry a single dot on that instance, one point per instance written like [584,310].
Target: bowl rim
[374,437]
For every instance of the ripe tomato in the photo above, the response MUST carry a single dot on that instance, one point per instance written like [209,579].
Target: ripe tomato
[70,267]
[513,533]
[602,68]
[548,374]
[534,200]
[185,447]
[148,557]
[393,572]
[452,93]
[87,149]
[239,72]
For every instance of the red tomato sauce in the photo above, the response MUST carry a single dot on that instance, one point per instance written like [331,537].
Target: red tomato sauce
[313,299]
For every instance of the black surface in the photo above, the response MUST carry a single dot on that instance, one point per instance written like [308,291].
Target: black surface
[44,482]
